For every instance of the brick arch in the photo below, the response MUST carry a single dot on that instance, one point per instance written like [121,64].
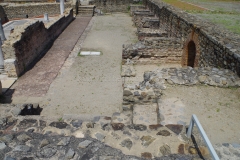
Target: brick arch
[191,50]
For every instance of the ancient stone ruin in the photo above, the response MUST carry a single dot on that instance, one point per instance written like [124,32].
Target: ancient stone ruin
[117,104]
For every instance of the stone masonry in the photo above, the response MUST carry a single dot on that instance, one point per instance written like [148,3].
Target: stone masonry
[214,46]
[29,41]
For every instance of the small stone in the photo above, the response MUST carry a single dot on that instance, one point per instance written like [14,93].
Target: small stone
[78,134]
[70,154]
[143,94]
[192,150]
[170,81]
[127,107]
[43,143]
[99,136]
[76,123]
[30,130]
[127,93]
[146,155]
[16,111]
[22,148]
[9,158]
[7,138]
[117,126]
[225,144]
[64,141]
[138,127]
[164,133]
[202,79]
[236,145]
[147,140]
[23,137]
[136,93]
[155,126]
[165,149]
[175,128]
[115,135]
[60,125]
[90,125]
[46,152]
[127,143]
[2,145]
[127,133]
[181,149]
[84,144]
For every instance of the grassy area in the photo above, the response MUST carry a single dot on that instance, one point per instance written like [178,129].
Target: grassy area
[222,12]
[231,22]
[183,5]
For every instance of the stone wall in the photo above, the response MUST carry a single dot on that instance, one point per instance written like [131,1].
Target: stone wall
[113,5]
[14,11]
[30,41]
[213,45]
[160,49]
[3,15]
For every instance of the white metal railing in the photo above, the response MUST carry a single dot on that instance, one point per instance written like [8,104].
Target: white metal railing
[194,120]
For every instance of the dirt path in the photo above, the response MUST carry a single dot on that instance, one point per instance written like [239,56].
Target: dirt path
[92,85]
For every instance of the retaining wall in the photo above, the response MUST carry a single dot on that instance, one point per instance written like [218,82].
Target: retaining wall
[30,41]
[32,10]
[215,47]
[114,5]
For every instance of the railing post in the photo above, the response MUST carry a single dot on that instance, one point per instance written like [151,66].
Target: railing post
[195,120]
[61,7]
[190,127]
[2,35]
[46,17]
[1,56]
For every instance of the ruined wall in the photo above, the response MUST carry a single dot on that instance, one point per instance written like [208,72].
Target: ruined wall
[156,49]
[32,10]
[114,5]
[30,41]
[3,15]
[215,47]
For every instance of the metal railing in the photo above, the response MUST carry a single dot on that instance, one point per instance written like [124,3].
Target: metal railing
[194,120]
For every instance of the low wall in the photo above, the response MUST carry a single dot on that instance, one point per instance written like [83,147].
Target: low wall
[30,41]
[114,5]
[32,10]
[213,45]
[3,15]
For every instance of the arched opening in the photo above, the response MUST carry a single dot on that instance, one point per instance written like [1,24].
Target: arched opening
[191,54]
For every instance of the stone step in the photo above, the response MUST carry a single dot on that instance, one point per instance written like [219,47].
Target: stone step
[86,7]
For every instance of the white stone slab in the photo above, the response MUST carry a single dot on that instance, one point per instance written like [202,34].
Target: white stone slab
[95,53]
[90,53]
[85,53]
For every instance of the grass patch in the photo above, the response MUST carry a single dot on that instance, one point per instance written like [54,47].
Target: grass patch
[184,5]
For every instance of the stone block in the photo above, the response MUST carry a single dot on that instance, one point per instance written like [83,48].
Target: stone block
[145,114]
[10,66]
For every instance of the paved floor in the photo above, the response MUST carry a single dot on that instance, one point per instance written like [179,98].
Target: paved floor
[92,85]
[36,82]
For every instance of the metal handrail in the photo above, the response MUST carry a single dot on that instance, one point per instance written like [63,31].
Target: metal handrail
[194,120]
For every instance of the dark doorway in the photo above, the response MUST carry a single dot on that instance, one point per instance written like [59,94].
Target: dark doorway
[191,53]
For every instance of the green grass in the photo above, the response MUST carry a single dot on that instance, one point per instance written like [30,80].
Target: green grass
[229,21]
